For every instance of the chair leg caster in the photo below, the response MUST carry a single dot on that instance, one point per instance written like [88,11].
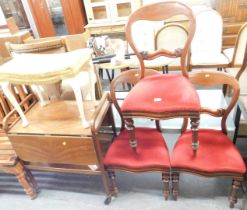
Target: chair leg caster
[107,200]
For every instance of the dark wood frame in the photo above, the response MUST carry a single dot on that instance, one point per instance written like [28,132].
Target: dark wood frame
[103,109]
[155,12]
[172,24]
[213,79]
[131,77]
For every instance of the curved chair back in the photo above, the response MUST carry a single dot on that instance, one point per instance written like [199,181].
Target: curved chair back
[160,12]
[171,37]
[214,79]
[208,34]
[241,42]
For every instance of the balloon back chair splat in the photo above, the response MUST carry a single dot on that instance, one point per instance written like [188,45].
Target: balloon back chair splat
[151,155]
[217,155]
[160,96]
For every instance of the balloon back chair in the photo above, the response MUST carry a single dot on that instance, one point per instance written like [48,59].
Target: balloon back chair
[152,154]
[206,47]
[238,57]
[217,155]
[170,37]
[160,96]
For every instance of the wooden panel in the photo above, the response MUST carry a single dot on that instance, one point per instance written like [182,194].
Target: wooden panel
[227,9]
[242,11]
[75,16]
[56,121]
[229,40]
[232,28]
[42,18]
[49,149]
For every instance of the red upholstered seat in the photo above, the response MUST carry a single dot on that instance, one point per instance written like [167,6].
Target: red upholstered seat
[216,153]
[151,150]
[162,93]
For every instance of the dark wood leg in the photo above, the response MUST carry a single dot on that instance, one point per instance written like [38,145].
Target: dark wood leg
[23,179]
[166,68]
[101,73]
[114,187]
[233,195]
[130,127]
[195,127]
[175,180]
[166,181]
[157,124]
[236,121]
[108,75]
[107,188]
[32,180]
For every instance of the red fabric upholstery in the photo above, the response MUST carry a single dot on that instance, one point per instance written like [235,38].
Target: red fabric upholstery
[216,153]
[175,91]
[151,150]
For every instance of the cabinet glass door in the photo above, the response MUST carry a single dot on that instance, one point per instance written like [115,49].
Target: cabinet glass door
[57,17]
[121,9]
[97,11]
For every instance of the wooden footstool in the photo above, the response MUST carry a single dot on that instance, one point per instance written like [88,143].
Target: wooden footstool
[9,163]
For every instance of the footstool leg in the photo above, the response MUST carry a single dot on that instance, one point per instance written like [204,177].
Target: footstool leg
[6,90]
[92,81]
[78,96]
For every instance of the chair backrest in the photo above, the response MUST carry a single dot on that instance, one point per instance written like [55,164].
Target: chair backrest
[45,46]
[76,41]
[11,23]
[131,77]
[171,37]
[160,12]
[240,45]
[208,79]
[208,34]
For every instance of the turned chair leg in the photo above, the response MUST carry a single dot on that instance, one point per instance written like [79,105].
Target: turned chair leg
[114,187]
[24,180]
[175,180]
[234,191]
[166,182]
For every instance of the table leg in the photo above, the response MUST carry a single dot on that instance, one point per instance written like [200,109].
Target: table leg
[78,96]
[92,81]
[236,121]
[7,91]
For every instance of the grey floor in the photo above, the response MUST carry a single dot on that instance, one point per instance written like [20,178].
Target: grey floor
[60,191]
